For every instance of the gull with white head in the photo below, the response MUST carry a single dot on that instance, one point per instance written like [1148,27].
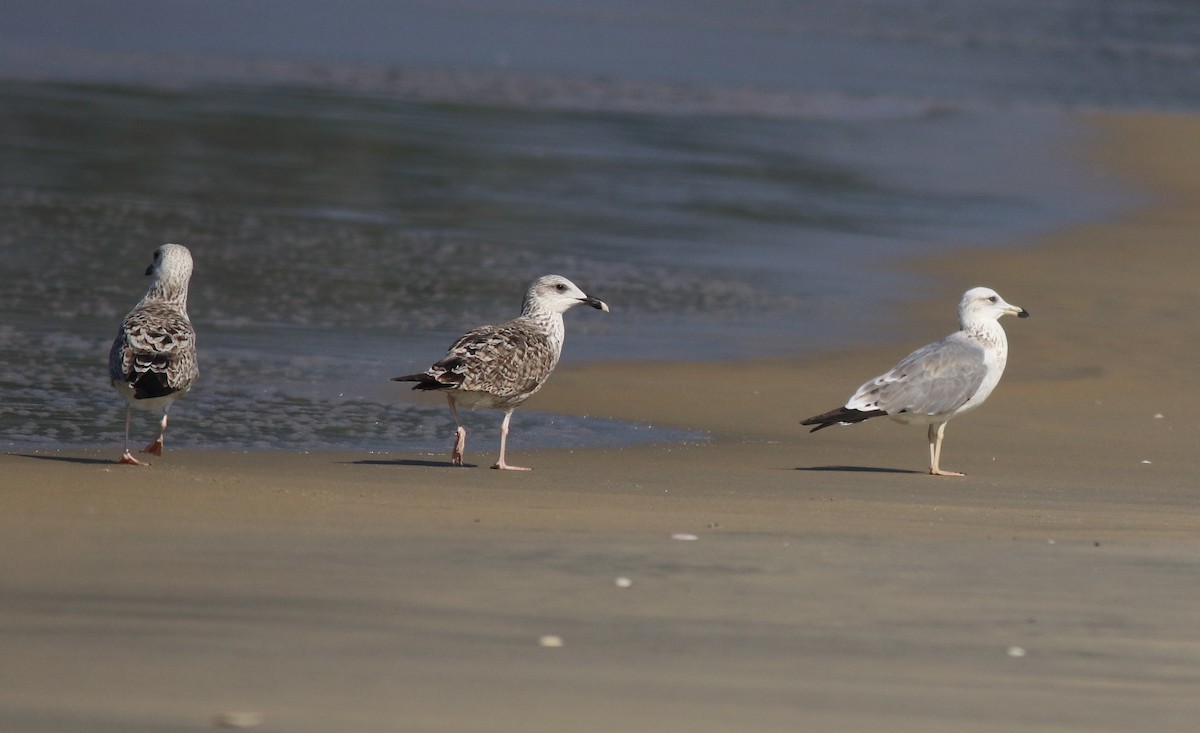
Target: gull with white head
[940,381]
[502,365]
[153,359]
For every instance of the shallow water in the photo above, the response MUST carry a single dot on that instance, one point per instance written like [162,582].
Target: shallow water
[733,179]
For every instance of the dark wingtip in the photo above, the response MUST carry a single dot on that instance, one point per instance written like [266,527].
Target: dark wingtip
[840,416]
[822,420]
[424,382]
[413,378]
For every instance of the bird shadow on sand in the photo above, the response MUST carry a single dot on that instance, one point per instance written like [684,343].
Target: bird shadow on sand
[68,459]
[856,469]
[412,462]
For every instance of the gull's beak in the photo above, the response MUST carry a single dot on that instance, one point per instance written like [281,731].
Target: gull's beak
[1017,311]
[150,270]
[596,303]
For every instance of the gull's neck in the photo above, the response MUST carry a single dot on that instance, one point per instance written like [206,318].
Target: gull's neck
[987,332]
[168,290]
[546,319]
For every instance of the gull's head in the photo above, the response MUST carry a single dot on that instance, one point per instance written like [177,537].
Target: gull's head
[172,263]
[172,269]
[985,304]
[557,294]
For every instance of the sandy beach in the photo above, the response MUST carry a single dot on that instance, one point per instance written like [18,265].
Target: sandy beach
[831,586]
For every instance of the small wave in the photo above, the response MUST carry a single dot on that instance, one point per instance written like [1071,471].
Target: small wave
[482,88]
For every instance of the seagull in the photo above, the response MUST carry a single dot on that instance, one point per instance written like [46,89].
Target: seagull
[939,381]
[502,365]
[153,359]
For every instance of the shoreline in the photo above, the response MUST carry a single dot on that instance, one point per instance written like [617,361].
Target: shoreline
[832,585]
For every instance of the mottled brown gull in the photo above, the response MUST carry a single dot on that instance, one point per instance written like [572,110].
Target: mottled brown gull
[502,365]
[153,359]
[939,381]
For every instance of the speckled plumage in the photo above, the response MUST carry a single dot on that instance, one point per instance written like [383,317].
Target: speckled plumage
[152,362]
[939,381]
[500,366]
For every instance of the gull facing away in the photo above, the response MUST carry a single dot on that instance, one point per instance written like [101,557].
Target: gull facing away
[939,381]
[153,359]
[503,365]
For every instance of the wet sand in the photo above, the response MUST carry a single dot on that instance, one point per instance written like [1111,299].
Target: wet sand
[832,585]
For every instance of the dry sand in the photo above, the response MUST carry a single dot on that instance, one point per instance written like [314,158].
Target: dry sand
[833,586]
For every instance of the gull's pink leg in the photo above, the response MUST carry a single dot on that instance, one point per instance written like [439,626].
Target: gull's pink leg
[460,435]
[935,451]
[500,464]
[156,448]
[127,458]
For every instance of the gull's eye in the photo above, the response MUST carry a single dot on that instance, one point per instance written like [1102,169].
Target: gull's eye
[560,287]
[993,299]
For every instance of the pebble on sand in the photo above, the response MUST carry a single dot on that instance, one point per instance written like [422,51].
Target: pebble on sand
[239,719]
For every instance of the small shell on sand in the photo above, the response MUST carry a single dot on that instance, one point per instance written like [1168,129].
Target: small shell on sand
[239,719]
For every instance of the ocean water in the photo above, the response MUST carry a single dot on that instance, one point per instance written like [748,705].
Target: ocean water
[360,182]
